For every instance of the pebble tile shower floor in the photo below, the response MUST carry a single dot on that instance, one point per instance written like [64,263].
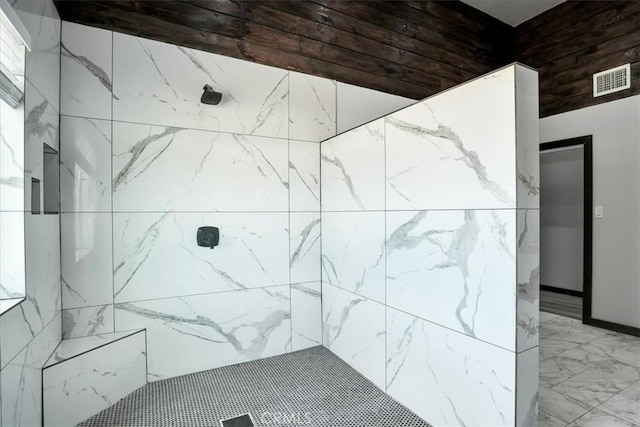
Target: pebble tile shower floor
[310,388]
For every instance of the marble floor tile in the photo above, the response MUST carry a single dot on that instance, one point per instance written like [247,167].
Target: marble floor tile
[560,406]
[622,407]
[595,386]
[597,418]
[546,420]
[550,347]
[554,370]
[632,392]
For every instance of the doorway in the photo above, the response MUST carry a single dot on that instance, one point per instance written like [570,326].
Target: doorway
[566,189]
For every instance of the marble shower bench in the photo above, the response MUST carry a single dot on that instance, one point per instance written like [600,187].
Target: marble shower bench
[85,375]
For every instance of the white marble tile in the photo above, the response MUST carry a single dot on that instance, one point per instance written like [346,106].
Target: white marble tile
[312,107]
[353,255]
[595,386]
[156,254]
[546,420]
[357,105]
[22,378]
[304,250]
[623,407]
[455,268]
[190,334]
[598,418]
[352,169]
[74,347]
[86,321]
[40,127]
[562,407]
[616,347]
[161,168]
[86,71]
[304,176]
[554,370]
[527,395]
[79,388]
[12,255]
[306,315]
[528,259]
[86,259]
[354,329]
[42,65]
[450,153]
[551,347]
[11,157]
[527,138]
[85,166]
[159,83]
[448,378]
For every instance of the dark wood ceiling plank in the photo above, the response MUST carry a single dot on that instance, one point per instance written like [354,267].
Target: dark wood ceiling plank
[259,14]
[404,42]
[105,15]
[250,32]
[430,28]
[609,24]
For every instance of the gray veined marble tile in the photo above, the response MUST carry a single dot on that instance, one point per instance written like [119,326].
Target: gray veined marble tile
[527,393]
[159,83]
[554,370]
[86,259]
[565,408]
[86,65]
[528,292]
[22,378]
[551,347]
[156,254]
[83,386]
[623,407]
[546,420]
[12,180]
[595,386]
[189,334]
[159,168]
[453,268]
[304,176]
[304,250]
[87,321]
[306,315]
[354,329]
[446,377]
[527,138]
[12,255]
[42,66]
[462,153]
[312,107]
[598,418]
[352,169]
[353,255]
[85,169]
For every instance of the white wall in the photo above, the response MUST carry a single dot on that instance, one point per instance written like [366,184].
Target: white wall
[144,164]
[357,105]
[615,127]
[29,332]
[562,218]
[430,251]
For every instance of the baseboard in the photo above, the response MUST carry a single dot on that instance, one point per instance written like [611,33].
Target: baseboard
[562,291]
[616,327]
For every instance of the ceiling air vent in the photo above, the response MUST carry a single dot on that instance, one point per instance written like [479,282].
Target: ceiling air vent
[612,80]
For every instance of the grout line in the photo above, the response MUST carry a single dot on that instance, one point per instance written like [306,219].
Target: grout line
[384,248]
[289,205]
[113,256]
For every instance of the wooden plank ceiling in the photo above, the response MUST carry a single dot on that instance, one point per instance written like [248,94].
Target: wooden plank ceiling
[409,48]
[573,41]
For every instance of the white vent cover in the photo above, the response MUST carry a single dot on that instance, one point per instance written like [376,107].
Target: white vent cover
[612,80]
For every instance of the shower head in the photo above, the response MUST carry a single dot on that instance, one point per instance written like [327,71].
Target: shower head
[210,96]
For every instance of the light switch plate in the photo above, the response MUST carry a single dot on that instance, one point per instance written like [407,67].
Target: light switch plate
[598,212]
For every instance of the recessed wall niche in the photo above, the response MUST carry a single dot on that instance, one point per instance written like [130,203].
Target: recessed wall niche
[35,196]
[51,180]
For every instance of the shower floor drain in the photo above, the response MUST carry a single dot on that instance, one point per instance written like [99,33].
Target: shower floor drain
[241,421]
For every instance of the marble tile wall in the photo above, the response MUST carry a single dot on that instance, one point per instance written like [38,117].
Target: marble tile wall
[31,330]
[144,164]
[430,241]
